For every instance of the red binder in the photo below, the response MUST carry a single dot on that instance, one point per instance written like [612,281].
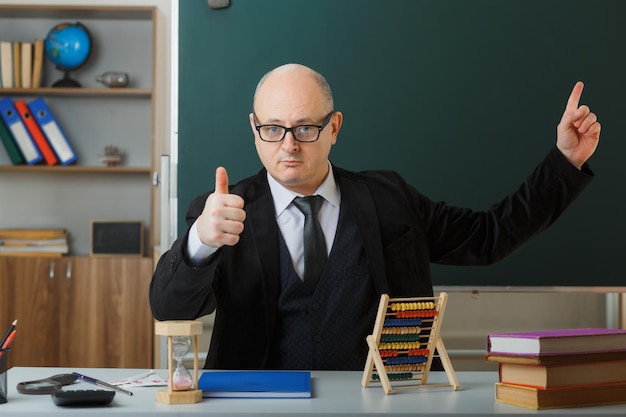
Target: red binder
[36,133]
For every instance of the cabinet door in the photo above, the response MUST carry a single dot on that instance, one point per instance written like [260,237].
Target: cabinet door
[105,314]
[29,287]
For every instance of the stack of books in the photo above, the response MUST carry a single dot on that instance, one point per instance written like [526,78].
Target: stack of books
[33,242]
[560,368]
[21,64]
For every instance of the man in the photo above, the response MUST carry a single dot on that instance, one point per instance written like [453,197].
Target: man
[243,255]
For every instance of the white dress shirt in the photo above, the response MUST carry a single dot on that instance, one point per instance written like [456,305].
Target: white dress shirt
[290,222]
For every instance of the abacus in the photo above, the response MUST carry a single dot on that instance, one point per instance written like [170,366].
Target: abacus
[402,345]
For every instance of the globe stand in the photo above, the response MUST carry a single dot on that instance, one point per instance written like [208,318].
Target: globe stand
[66,82]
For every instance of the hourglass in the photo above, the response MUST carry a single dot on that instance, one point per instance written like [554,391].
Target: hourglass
[181,380]
[181,387]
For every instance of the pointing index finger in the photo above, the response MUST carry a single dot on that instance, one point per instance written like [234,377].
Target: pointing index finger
[574,98]
[221,181]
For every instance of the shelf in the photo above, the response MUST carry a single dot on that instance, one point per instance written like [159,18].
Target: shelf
[77,12]
[77,169]
[92,117]
[91,92]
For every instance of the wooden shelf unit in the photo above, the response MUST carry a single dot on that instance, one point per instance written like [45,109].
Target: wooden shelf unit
[92,117]
[58,91]
[77,310]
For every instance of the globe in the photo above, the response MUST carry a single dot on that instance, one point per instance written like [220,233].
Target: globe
[68,46]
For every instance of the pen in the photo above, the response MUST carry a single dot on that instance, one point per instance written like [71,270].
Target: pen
[101,383]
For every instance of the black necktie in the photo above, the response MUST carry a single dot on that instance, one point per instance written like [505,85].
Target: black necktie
[314,242]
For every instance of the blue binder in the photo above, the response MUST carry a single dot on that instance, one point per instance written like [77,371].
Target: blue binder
[48,124]
[16,126]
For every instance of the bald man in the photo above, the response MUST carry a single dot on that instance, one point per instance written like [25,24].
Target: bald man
[243,255]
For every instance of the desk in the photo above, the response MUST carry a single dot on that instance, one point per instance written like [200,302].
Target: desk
[334,394]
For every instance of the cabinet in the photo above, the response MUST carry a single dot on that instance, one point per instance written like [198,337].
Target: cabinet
[30,296]
[80,310]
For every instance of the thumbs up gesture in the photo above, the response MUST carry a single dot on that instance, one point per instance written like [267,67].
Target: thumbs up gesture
[221,221]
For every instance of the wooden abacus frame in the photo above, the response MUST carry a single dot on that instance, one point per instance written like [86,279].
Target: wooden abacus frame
[406,318]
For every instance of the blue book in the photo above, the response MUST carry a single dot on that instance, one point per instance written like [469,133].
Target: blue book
[48,124]
[16,126]
[255,384]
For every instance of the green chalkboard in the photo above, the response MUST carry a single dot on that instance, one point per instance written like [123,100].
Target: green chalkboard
[461,97]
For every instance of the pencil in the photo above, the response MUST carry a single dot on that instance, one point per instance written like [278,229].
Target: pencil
[8,341]
[8,333]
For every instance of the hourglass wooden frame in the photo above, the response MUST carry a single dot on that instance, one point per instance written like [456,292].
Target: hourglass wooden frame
[171,328]
[402,345]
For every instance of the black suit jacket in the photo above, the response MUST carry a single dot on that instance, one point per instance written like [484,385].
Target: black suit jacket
[402,232]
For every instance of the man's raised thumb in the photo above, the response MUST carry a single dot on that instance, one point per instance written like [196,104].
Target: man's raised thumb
[221,181]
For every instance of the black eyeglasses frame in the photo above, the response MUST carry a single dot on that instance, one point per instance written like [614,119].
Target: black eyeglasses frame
[292,129]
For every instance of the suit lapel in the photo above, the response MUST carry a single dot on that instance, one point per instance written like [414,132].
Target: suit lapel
[264,230]
[356,196]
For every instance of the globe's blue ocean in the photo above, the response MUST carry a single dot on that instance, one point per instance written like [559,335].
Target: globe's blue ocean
[68,45]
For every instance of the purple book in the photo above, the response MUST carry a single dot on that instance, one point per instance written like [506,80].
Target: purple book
[557,342]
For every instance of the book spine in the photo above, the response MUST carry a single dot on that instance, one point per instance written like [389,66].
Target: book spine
[6,63]
[27,64]
[33,234]
[38,50]
[17,64]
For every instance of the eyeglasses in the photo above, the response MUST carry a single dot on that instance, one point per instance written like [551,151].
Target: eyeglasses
[302,133]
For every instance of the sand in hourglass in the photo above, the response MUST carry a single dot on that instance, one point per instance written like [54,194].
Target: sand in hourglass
[181,380]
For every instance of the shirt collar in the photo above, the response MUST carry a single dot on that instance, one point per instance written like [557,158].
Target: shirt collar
[283,196]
